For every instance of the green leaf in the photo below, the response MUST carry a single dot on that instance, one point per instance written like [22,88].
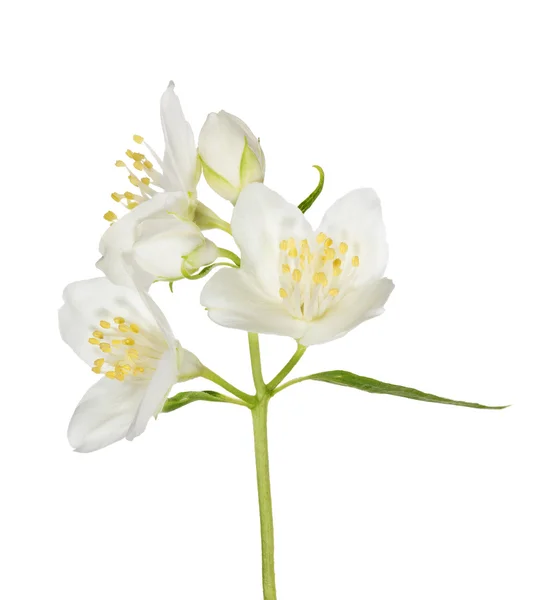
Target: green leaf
[184,398]
[373,386]
[308,202]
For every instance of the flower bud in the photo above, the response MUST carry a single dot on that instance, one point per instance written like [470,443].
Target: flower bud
[230,154]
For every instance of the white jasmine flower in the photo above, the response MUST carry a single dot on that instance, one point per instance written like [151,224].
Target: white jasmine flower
[314,286]
[125,338]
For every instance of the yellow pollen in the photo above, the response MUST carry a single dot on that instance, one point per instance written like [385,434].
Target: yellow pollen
[105,324]
[145,180]
[283,293]
[93,341]
[129,153]
[123,328]
[320,278]
[291,243]
[321,237]
[96,370]
[337,263]
[328,243]
[105,347]
[110,374]
[304,244]
[129,341]
[110,216]
[134,328]
[133,180]
[138,156]
[138,139]
[137,165]
[119,320]
[119,376]
[98,335]
[126,368]
[116,342]
[296,275]
[138,370]
[356,261]
[116,197]
[343,247]
[283,245]
[129,195]
[99,362]
[120,163]
[133,354]
[337,271]
[285,268]
[148,164]
[132,205]
[292,252]
[330,253]
[333,292]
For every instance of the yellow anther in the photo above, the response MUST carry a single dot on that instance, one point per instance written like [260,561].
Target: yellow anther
[126,368]
[96,370]
[138,139]
[291,243]
[283,293]
[283,245]
[138,370]
[110,216]
[145,180]
[296,275]
[120,163]
[337,263]
[119,320]
[119,376]
[328,242]
[304,244]
[99,362]
[148,164]
[137,165]
[343,247]
[133,354]
[333,292]
[110,374]
[132,205]
[133,180]
[285,268]
[123,328]
[93,341]
[116,197]
[356,261]
[292,252]
[129,153]
[105,324]
[134,328]
[129,341]
[330,253]
[320,278]
[138,156]
[98,334]
[337,271]
[129,195]
[105,347]
[117,342]
[321,237]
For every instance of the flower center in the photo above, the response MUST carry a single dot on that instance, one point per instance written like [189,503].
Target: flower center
[311,279]
[127,350]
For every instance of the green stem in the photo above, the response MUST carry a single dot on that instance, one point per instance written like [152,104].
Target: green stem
[289,383]
[259,416]
[230,255]
[211,376]
[287,367]
[255,357]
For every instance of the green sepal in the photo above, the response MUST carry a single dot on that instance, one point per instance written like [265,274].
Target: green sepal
[366,384]
[170,283]
[184,398]
[308,202]
[204,272]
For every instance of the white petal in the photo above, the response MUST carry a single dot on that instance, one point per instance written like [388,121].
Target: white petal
[88,302]
[234,300]
[104,414]
[151,404]
[357,306]
[356,219]
[261,220]
[188,365]
[180,158]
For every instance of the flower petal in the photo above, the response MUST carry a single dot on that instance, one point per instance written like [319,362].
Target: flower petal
[104,414]
[357,306]
[180,158]
[261,220]
[151,404]
[356,219]
[234,300]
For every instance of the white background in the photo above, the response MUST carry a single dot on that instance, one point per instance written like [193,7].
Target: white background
[442,107]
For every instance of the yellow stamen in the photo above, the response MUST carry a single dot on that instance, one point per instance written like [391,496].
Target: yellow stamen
[337,263]
[134,328]
[320,278]
[285,268]
[137,165]
[110,374]
[96,370]
[93,341]
[343,247]
[105,347]
[148,164]
[356,261]
[105,324]
[99,362]
[283,293]
[138,370]
[291,243]
[296,275]
[145,180]
[292,252]
[98,335]
[119,376]
[333,292]
[138,139]
[138,156]
[129,153]
[127,368]
[110,216]
[328,242]
[133,180]
[129,341]
[116,197]
[120,163]
[123,328]
[283,245]
[337,271]
[330,253]
[321,237]
[116,342]
[133,354]
[119,320]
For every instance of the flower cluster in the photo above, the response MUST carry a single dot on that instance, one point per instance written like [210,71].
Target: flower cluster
[313,285]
